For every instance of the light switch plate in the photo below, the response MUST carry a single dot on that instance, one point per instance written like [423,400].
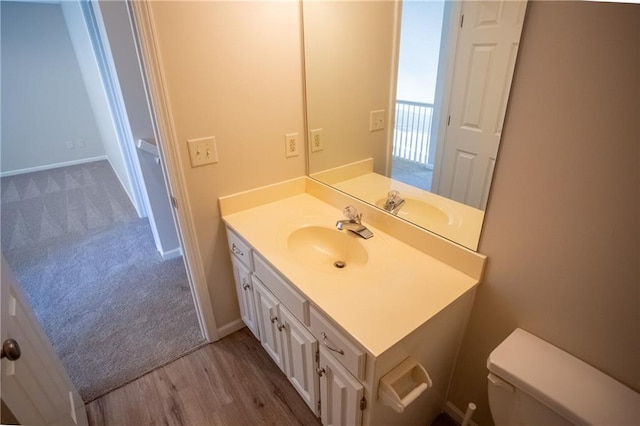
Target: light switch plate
[203,151]
[317,143]
[376,120]
[291,145]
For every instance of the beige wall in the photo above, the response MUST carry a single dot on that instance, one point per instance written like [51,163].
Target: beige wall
[562,225]
[348,61]
[233,71]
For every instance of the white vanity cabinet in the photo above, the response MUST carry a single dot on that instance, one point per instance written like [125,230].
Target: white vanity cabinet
[341,395]
[268,322]
[282,334]
[242,265]
[338,375]
[299,349]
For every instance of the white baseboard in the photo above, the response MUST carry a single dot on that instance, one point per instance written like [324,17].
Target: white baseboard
[52,166]
[456,413]
[171,254]
[231,327]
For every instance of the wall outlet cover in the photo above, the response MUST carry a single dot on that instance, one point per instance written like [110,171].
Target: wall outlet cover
[317,142]
[291,145]
[376,120]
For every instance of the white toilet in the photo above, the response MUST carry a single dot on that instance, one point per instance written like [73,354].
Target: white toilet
[532,382]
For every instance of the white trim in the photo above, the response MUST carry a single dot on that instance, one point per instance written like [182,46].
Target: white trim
[393,89]
[171,254]
[231,327]
[147,147]
[53,166]
[456,413]
[167,142]
[99,43]
[444,83]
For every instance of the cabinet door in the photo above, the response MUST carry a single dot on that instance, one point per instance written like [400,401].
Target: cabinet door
[244,288]
[299,350]
[340,393]
[268,321]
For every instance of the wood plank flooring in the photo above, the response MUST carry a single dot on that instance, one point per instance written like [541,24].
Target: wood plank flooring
[229,382]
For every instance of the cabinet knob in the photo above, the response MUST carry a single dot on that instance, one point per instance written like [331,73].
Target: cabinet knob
[320,371]
[10,350]
[245,285]
[273,319]
[280,326]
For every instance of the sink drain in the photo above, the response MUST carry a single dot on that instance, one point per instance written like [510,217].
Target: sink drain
[339,264]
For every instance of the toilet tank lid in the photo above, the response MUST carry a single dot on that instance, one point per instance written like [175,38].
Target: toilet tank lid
[567,385]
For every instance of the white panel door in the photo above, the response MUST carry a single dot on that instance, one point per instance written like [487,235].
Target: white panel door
[268,321]
[299,350]
[484,62]
[244,289]
[35,386]
[340,393]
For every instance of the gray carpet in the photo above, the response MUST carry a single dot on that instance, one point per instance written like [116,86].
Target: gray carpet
[112,308]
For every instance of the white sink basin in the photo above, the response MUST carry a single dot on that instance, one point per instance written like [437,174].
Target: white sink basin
[327,249]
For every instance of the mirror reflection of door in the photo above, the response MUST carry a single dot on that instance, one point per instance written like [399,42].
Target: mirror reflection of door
[456,162]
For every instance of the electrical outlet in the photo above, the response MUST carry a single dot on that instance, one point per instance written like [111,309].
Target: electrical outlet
[317,144]
[291,144]
[376,120]
[203,151]
[80,143]
[70,144]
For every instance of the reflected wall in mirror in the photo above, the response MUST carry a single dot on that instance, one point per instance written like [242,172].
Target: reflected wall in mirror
[406,102]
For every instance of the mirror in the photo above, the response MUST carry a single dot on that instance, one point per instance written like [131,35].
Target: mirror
[406,102]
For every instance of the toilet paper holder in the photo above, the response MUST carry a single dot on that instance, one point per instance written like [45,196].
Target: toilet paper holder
[402,385]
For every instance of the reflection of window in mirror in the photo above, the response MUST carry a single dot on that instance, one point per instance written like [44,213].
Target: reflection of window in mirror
[413,153]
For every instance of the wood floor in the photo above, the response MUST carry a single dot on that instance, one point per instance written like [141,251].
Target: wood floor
[230,382]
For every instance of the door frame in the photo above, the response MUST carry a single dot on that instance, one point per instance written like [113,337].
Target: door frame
[444,80]
[144,31]
[169,161]
[444,83]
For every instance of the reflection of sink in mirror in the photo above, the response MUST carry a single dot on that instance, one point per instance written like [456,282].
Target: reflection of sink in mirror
[327,249]
[418,211]
[447,218]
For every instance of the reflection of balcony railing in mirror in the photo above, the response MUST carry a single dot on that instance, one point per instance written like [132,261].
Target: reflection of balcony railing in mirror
[412,151]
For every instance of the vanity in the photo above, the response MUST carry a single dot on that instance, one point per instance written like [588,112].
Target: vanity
[366,330]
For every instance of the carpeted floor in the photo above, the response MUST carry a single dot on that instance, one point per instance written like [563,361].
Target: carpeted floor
[411,173]
[112,308]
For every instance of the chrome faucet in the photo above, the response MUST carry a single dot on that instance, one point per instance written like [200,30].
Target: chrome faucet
[353,223]
[394,202]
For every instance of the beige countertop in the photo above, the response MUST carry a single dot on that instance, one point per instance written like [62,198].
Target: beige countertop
[378,304]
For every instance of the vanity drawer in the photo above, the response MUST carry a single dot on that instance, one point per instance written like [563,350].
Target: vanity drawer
[239,248]
[287,295]
[340,347]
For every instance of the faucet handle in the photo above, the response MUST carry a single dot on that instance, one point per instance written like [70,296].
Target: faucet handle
[393,195]
[351,213]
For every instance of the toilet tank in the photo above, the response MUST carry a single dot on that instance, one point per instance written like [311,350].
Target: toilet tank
[533,382]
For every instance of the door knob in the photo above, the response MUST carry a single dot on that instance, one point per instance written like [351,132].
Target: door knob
[10,350]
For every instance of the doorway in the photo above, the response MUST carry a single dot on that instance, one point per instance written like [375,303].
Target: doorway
[413,153]
[75,233]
